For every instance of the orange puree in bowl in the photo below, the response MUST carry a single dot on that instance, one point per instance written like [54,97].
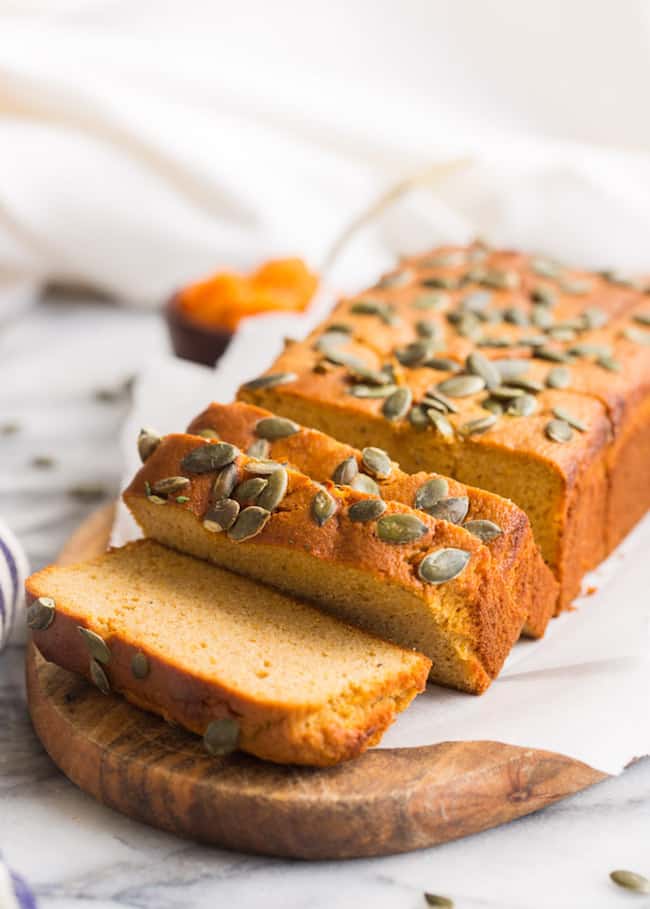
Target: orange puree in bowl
[220,301]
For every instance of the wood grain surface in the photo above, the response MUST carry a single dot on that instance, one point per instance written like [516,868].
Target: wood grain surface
[387,801]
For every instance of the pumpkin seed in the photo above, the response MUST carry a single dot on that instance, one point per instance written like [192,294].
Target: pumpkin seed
[275,490]
[485,530]
[270,380]
[95,644]
[440,398]
[479,425]
[493,406]
[541,317]
[643,318]
[99,677]
[157,500]
[558,333]
[398,404]
[501,280]
[574,422]
[443,364]
[506,392]
[436,405]
[559,431]
[208,434]
[440,422]
[249,490]
[497,343]
[207,458]
[594,317]
[452,509]
[377,462]
[148,441]
[221,737]
[461,386]
[182,499]
[558,377]
[225,482]
[41,613]
[323,507]
[370,391]
[430,493]
[637,335]
[272,428]
[356,367]
[530,385]
[477,301]
[250,522]
[169,485]
[609,363]
[532,341]
[367,308]
[631,880]
[366,510]
[443,260]
[469,327]
[400,528]
[430,301]
[443,565]
[479,365]
[584,349]
[346,471]
[510,369]
[140,665]
[221,515]
[576,287]
[363,483]
[262,466]
[426,328]
[549,353]
[413,354]
[418,417]
[544,295]
[523,406]
[443,902]
[396,279]
[330,339]
[444,282]
[260,448]
[515,316]
[546,268]
[340,327]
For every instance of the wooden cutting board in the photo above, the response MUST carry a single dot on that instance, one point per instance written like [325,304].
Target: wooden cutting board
[387,801]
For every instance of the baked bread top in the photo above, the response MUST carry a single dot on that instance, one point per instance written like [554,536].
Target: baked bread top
[567,339]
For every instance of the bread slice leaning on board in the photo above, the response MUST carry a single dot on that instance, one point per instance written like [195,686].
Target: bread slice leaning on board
[501,525]
[396,572]
[239,663]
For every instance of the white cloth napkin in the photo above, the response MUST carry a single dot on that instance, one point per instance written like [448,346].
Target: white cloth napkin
[141,147]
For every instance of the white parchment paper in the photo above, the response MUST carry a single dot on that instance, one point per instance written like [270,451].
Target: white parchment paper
[584,690]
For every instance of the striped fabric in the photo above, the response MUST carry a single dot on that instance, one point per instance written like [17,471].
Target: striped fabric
[13,571]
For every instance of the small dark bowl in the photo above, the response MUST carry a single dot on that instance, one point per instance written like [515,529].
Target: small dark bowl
[193,340]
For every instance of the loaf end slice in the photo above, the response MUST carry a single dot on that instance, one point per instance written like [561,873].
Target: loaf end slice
[197,644]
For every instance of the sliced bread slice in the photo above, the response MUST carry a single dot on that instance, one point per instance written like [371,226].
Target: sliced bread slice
[225,657]
[396,572]
[503,527]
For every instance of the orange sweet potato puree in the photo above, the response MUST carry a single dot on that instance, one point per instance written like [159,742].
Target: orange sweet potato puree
[225,298]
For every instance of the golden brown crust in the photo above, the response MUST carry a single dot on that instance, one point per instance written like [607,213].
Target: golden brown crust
[317,455]
[588,499]
[481,631]
[320,735]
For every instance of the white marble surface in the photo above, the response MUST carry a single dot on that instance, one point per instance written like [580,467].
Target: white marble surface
[76,853]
